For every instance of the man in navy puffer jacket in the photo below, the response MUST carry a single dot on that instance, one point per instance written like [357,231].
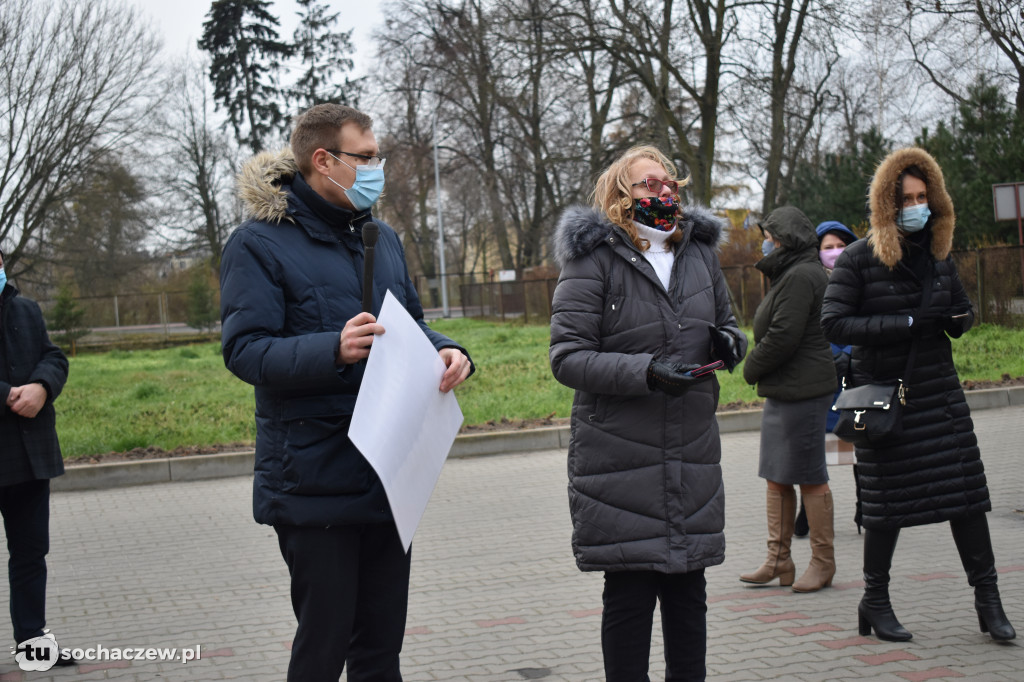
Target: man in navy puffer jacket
[291,292]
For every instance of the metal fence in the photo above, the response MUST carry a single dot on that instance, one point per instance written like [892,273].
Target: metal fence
[132,309]
[993,278]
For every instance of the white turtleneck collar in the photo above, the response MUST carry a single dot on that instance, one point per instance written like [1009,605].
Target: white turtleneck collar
[660,254]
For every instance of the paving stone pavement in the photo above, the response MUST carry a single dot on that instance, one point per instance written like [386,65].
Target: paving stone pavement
[495,593]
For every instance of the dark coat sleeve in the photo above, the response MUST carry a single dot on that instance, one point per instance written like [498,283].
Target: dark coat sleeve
[49,365]
[791,304]
[253,320]
[841,319]
[415,309]
[960,305]
[52,369]
[724,317]
[576,357]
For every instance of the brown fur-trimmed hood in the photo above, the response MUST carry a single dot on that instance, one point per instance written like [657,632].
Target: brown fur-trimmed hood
[260,181]
[884,235]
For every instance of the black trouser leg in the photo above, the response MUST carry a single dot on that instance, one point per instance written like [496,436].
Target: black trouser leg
[26,512]
[974,543]
[380,609]
[626,622]
[875,609]
[349,590]
[684,610]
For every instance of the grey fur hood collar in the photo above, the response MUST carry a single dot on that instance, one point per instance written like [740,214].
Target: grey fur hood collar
[582,228]
[260,185]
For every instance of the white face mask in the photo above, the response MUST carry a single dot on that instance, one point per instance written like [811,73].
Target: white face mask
[913,218]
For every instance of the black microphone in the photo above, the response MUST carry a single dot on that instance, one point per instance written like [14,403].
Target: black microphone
[370,233]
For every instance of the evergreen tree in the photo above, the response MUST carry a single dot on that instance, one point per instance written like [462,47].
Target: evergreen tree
[66,319]
[325,58]
[201,309]
[981,146]
[245,60]
[835,187]
[98,233]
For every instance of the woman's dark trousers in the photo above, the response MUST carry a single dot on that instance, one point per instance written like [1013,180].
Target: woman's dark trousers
[974,543]
[629,600]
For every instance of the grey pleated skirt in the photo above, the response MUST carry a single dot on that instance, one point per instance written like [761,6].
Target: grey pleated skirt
[793,441]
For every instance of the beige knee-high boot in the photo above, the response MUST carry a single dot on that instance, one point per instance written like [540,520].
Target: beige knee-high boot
[823,557]
[781,510]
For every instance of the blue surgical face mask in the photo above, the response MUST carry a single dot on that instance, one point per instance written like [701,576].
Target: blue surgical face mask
[3,278]
[913,218]
[367,187]
[767,246]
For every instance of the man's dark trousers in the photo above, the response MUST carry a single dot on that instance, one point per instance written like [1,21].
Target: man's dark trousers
[26,512]
[350,594]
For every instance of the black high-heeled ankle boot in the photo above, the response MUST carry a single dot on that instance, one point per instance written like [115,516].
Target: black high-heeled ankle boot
[974,543]
[875,609]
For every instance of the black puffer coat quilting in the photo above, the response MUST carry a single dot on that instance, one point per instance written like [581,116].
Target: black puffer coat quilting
[645,480]
[933,471]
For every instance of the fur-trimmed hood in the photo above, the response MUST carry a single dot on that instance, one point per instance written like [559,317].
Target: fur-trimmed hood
[260,185]
[582,228]
[884,235]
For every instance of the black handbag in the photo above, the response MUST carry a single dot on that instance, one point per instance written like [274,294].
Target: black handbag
[870,415]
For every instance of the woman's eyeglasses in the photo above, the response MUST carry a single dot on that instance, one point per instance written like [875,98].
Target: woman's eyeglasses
[655,185]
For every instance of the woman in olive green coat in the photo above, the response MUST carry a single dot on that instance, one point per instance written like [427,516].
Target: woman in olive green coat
[792,367]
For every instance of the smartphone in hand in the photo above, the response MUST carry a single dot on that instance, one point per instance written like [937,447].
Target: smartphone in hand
[706,369]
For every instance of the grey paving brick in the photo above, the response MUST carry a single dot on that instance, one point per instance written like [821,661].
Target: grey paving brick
[179,564]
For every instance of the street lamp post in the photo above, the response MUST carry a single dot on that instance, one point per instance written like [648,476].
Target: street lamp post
[440,223]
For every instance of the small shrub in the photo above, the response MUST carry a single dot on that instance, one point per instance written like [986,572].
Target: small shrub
[147,390]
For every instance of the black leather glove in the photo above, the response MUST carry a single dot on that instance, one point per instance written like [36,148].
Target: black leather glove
[672,379]
[725,347]
[927,326]
[956,326]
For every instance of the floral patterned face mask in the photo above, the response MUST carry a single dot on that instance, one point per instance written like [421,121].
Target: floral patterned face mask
[657,212]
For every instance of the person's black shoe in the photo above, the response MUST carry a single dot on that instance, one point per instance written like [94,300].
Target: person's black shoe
[800,527]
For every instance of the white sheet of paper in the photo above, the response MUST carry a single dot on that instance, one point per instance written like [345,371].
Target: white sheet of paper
[402,423]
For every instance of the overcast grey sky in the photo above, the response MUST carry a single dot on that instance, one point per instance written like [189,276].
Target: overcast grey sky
[180,23]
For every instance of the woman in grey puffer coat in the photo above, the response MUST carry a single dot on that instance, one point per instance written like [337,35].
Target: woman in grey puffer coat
[641,300]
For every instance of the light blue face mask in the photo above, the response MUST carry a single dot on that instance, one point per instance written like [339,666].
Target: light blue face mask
[368,186]
[3,279]
[767,246]
[913,218]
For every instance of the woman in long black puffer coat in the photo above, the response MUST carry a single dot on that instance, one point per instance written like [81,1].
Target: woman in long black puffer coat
[932,472]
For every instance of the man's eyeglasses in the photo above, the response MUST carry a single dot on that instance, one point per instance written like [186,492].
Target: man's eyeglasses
[371,161]
[655,185]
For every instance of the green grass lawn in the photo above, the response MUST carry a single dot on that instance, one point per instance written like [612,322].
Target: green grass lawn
[184,396]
